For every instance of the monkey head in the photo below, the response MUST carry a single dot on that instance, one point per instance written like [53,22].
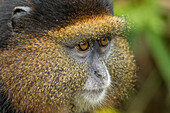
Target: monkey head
[64,56]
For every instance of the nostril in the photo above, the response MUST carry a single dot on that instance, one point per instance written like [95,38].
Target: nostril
[98,75]
[95,72]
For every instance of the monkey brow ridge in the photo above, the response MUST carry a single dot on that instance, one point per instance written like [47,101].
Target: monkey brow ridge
[92,28]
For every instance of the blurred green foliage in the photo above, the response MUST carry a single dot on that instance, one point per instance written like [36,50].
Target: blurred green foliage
[147,19]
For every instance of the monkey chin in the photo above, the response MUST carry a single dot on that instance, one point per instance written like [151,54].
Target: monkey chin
[90,99]
[87,100]
[94,97]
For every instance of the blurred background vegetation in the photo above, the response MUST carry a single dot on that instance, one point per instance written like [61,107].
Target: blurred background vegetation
[150,40]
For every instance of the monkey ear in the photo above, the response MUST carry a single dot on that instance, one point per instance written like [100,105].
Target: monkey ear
[18,15]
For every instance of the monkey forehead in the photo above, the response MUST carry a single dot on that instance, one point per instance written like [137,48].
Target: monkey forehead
[93,28]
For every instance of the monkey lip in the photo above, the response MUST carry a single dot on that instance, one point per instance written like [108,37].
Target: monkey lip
[98,91]
[95,90]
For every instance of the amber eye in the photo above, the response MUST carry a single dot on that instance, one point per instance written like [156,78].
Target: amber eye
[104,41]
[83,46]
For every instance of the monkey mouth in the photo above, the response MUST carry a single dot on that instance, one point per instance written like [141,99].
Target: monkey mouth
[96,90]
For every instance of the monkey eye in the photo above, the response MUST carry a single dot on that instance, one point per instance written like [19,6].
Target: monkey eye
[104,41]
[104,44]
[83,46]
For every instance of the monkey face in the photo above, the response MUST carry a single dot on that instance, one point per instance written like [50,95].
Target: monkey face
[93,55]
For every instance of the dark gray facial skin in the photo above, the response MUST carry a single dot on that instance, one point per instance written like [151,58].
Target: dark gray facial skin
[99,79]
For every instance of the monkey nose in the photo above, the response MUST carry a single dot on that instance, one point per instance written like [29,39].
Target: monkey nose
[100,73]
[97,74]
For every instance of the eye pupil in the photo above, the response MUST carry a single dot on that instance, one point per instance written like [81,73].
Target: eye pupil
[83,46]
[104,41]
